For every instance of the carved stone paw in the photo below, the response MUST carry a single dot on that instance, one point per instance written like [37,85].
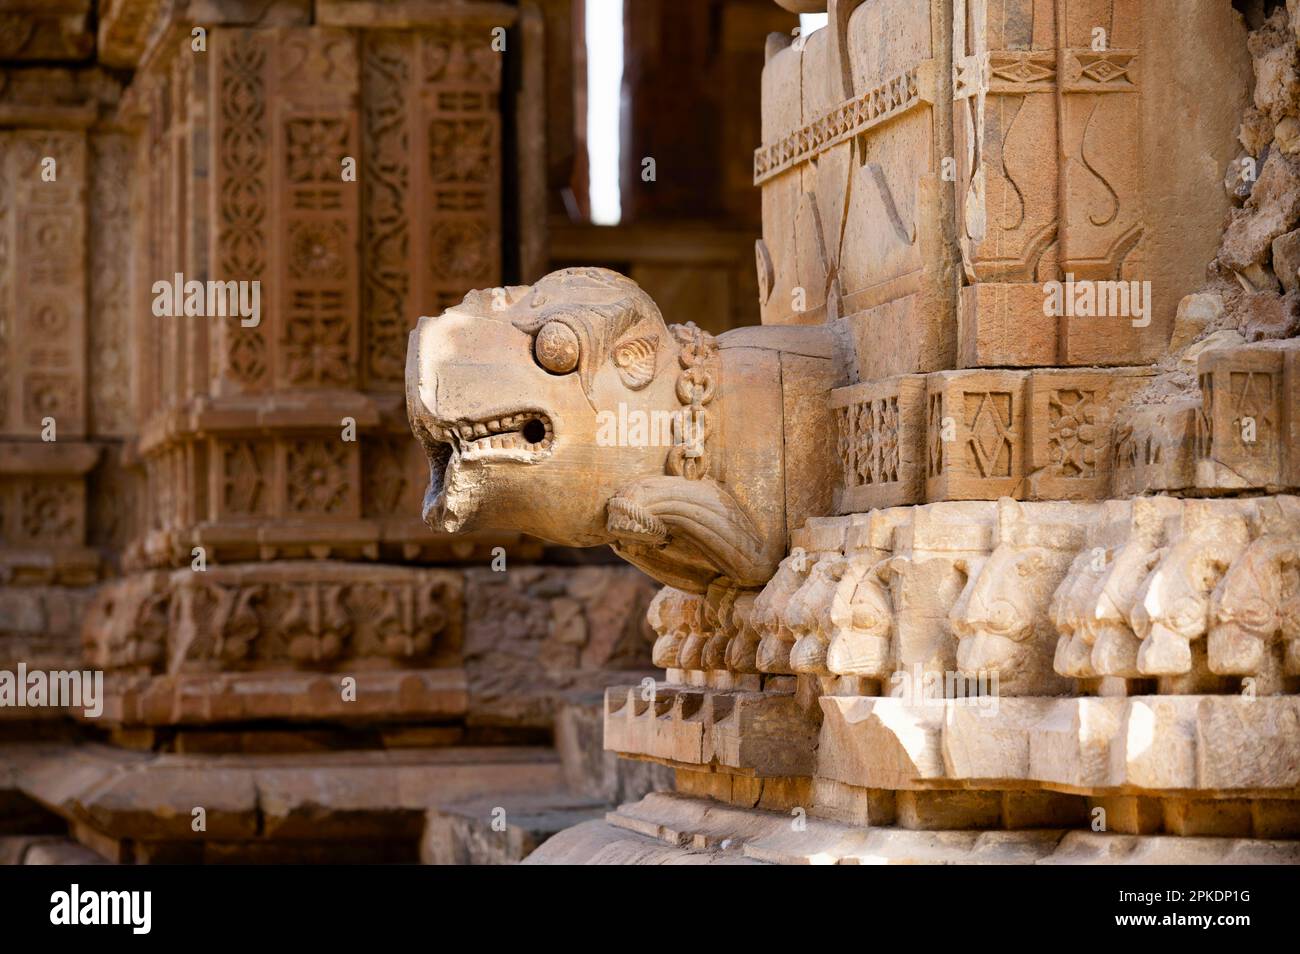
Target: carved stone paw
[809,655]
[1073,657]
[1164,653]
[774,655]
[857,654]
[1115,652]
[1233,650]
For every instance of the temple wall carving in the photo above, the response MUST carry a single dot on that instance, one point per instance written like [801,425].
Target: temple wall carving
[941,389]
[213,497]
[1047,616]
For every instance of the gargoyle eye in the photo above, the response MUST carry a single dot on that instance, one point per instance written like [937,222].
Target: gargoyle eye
[556,347]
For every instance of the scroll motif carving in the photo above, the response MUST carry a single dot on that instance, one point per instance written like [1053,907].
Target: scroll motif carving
[243,168]
[386,225]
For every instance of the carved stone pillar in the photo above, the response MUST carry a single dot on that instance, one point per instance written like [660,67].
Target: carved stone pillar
[60,321]
[211,301]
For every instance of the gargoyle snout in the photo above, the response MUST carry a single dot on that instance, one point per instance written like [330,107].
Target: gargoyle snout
[418,391]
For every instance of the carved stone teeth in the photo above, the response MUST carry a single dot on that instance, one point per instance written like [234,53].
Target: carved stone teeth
[504,433]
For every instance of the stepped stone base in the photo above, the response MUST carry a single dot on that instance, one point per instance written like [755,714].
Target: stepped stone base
[300,807]
[501,831]
[674,829]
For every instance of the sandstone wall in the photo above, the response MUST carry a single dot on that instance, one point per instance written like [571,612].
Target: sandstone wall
[1051,616]
[221,512]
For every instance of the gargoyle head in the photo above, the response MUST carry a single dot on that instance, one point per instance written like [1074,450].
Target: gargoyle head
[1001,619]
[862,618]
[505,392]
[1172,608]
[997,612]
[1249,606]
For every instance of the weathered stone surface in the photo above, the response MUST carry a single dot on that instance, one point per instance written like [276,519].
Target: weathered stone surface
[591,770]
[1002,324]
[754,733]
[666,830]
[1286,260]
[1272,210]
[489,831]
[534,636]
[259,801]
[1277,67]
[1147,744]
[1245,404]
[1197,313]
[1256,133]
[983,539]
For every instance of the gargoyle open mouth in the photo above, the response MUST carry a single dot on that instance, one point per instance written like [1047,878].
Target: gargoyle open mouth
[526,437]
[529,431]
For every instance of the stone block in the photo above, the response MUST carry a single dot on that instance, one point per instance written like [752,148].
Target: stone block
[1155,448]
[1240,426]
[882,443]
[1070,418]
[1003,324]
[975,434]
[943,811]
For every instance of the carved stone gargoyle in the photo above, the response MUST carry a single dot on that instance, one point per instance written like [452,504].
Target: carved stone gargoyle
[569,410]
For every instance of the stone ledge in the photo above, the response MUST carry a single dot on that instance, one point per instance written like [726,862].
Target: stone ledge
[1223,746]
[671,829]
[232,697]
[767,734]
[133,806]
[501,829]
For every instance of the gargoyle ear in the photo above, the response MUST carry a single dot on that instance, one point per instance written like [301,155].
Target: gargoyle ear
[635,359]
